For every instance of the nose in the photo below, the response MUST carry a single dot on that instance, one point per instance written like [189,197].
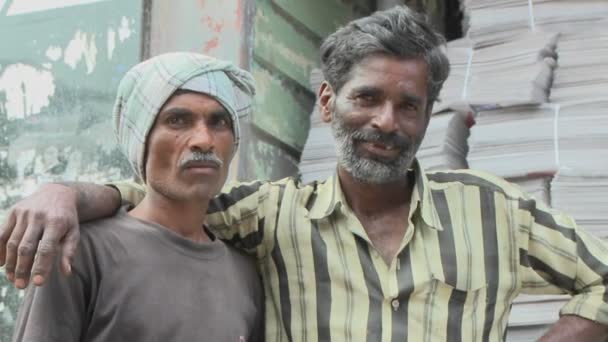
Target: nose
[201,138]
[385,119]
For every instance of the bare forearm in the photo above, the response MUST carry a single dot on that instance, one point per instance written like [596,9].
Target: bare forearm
[574,328]
[94,201]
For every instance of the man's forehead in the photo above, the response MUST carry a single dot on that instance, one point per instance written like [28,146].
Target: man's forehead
[379,65]
[383,71]
[193,99]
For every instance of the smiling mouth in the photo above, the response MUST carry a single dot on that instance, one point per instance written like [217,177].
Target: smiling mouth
[384,151]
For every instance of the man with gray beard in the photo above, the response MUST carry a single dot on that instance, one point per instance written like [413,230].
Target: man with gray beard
[383,250]
[375,168]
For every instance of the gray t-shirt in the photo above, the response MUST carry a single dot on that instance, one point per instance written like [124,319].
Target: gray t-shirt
[137,281]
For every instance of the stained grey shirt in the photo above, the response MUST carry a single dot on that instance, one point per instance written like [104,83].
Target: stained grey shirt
[137,281]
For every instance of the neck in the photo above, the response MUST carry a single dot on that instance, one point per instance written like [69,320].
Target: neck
[184,217]
[368,198]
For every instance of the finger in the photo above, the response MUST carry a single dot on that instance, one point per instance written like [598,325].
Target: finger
[68,249]
[45,256]
[26,252]
[7,229]
[12,245]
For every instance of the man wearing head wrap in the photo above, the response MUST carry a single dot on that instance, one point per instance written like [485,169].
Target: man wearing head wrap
[151,273]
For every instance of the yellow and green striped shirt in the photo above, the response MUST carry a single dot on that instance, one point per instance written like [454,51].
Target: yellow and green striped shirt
[474,242]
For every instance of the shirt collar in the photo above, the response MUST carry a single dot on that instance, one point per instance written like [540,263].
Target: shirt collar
[330,198]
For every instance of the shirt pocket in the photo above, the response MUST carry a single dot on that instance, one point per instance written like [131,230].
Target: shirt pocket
[456,310]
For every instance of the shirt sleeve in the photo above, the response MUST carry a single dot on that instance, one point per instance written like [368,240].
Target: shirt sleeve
[244,214]
[558,256]
[130,191]
[55,312]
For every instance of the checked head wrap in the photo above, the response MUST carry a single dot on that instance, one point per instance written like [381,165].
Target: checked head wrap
[148,85]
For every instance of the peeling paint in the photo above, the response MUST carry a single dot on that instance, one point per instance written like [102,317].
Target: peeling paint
[81,46]
[124,31]
[29,6]
[239,16]
[24,160]
[297,58]
[57,81]
[210,27]
[111,42]
[213,24]
[27,90]
[211,44]
[54,53]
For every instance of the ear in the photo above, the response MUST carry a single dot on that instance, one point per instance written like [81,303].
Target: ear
[326,101]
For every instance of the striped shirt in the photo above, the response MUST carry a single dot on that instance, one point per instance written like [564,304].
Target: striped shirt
[474,242]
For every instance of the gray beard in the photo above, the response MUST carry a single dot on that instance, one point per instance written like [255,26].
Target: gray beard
[365,169]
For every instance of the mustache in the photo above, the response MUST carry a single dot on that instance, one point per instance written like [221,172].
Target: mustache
[372,135]
[200,156]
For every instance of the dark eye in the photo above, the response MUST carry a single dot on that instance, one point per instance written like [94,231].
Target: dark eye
[365,99]
[176,120]
[410,107]
[221,121]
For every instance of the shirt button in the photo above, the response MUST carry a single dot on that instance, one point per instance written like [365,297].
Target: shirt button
[395,304]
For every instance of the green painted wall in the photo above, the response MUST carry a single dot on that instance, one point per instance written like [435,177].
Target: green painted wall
[60,64]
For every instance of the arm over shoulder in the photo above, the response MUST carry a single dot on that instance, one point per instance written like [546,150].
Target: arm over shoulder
[245,214]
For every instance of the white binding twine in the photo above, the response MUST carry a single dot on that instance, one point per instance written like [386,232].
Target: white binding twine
[467,74]
[556,108]
[531,16]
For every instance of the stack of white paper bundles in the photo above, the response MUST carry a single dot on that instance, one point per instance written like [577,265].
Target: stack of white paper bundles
[570,134]
[514,73]
[583,64]
[581,188]
[529,139]
[519,141]
[514,142]
[491,22]
[584,195]
[511,73]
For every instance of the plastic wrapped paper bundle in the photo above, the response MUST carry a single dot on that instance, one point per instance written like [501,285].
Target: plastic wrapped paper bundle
[584,195]
[518,141]
[515,73]
[496,22]
[583,65]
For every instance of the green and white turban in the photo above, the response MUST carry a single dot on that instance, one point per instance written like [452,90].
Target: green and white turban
[148,85]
